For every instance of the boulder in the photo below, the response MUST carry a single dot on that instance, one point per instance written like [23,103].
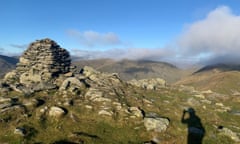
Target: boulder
[228,132]
[149,84]
[92,94]
[10,76]
[56,111]
[156,124]
[88,71]
[135,111]
[71,84]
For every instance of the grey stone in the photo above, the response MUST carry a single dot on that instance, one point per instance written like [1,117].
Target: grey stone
[71,81]
[88,71]
[56,112]
[156,124]
[5,105]
[228,132]
[106,113]
[136,112]
[150,84]
[2,99]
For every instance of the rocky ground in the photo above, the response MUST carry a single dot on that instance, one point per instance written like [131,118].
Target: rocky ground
[87,106]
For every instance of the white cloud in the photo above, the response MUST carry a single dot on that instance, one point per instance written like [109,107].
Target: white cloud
[214,39]
[23,46]
[218,35]
[128,53]
[91,38]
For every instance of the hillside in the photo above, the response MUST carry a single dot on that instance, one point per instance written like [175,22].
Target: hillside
[129,69]
[7,64]
[221,78]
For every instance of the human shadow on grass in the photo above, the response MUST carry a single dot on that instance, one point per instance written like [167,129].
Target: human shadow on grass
[196,130]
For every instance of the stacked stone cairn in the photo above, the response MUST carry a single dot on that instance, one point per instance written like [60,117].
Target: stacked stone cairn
[42,62]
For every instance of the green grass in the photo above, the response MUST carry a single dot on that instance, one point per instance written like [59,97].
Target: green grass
[94,129]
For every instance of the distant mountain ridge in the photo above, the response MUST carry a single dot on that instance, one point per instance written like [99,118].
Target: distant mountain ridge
[133,69]
[7,64]
[222,78]
[220,67]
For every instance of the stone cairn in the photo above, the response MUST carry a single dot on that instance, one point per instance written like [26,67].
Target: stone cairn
[42,62]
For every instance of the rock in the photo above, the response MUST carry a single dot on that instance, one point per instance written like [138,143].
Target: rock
[207,92]
[33,102]
[227,132]
[136,112]
[71,84]
[146,101]
[117,105]
[2,99]
[150,84]
[69,74]
[13,108]
[101,99]
[10,76]
[156,124]
[56,111]
[41,112]
[104,112]
[29,77]
[219,104]
[20,131]
[206,101]
[193,102]
[92,94]
[5,105]
[200,96]
[88,107]
[189,89]
[88,71]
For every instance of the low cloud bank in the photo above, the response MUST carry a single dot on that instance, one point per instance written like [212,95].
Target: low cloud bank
[128,53]
[91,38]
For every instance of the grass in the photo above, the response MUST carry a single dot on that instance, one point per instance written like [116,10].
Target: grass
[91,128]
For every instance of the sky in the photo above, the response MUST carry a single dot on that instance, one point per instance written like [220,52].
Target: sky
[185,32]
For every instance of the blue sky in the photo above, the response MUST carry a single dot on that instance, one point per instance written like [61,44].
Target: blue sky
[134,29]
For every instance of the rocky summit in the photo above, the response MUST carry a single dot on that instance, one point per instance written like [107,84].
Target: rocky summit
[46,100]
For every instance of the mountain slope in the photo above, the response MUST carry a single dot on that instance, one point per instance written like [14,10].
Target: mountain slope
[129,69]
[7,64]
[219,67]
[221,78]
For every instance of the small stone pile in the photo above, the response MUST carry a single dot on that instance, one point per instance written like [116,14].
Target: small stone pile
[42,62]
